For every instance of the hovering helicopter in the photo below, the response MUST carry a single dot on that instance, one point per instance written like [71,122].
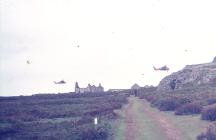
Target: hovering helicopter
[164,68]
[60,82]
[28,62]
[77,46]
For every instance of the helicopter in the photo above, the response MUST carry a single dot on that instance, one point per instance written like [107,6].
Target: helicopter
[60,82]
[164,68]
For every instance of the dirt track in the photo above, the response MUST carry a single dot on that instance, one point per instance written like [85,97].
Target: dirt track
[143,123]
[171,131]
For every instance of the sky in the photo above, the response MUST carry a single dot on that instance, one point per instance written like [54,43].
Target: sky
[119,42]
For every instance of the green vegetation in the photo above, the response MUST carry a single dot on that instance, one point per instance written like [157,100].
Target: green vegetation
[140,124]
[59,116]
[189,108]
[209,113]
[186,101]
[148,127]
[190,126]
[210,133]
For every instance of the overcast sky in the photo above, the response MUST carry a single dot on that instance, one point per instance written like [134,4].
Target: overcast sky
[120,41]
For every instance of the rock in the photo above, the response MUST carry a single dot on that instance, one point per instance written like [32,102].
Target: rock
[191,75]
[214,61]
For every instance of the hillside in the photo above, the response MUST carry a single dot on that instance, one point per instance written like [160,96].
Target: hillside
[189,92]
[190,76]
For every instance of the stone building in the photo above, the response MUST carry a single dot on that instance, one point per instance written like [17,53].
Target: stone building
[88,89]
[135,86]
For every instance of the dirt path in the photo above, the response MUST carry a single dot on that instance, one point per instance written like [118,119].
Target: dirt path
[141,123]
[131,125]
[171,131]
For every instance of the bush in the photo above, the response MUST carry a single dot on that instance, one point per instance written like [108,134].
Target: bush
[10,128]
[210,134]
[58,116]
[190,108]
[211,101]
[151,98]
[171,103]
[96,133]
[209,113]
[167,104]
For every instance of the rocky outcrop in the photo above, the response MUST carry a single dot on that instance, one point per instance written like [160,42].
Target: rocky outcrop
[214,61]
[191,75]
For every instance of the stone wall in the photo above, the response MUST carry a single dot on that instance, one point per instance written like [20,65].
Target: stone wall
[89,89]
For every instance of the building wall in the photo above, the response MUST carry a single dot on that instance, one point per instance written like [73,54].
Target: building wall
[89,88]
[77,90]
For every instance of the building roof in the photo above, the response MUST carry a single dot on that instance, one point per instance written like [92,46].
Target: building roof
[135,86]
[76,85]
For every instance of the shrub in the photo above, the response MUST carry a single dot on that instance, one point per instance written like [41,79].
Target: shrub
[167,104]
[190,108]
[211,101]
[182,100]
[209,113]
[210,134]
[151,98]
[171,103]
[58,116]
[101,132]
[9,128]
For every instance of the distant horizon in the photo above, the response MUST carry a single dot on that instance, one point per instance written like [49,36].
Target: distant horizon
[83,86]
[115,43]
